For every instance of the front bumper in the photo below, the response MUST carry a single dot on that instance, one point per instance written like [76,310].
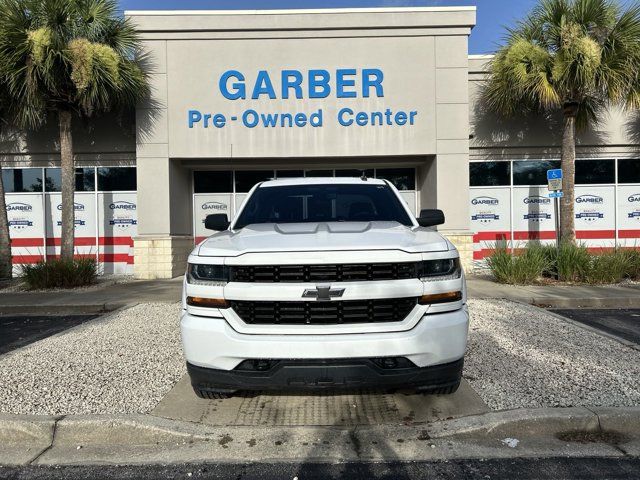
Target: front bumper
[435,339]
[327,374]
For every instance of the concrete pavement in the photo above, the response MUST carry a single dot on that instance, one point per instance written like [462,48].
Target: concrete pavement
[341,409]
[144,439]
[96,299]
[558,296]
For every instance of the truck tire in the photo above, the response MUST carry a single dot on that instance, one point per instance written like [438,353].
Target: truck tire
[208,394]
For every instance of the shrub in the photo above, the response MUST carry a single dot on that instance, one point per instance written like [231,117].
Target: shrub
[58,273]
[569,263]
[524,268]
[632,263]
[606,268]
[572,262]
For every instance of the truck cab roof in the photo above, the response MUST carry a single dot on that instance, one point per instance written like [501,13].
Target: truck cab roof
[285,182]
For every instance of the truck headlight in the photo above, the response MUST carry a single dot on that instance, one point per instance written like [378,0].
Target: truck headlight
[202,274]
[438,270]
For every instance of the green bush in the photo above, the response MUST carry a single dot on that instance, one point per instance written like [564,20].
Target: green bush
[572,262]
[569,263]
[606,268]
[631,258]
[58,273]
[521,269]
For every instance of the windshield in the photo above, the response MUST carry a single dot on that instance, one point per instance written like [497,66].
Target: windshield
[323,203]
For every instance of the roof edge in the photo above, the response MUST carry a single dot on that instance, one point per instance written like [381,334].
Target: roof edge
[132,13]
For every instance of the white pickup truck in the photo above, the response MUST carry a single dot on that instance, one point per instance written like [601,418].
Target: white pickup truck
[324,283]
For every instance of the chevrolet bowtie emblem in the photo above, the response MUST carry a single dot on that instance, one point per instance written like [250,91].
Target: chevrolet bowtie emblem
[323,293]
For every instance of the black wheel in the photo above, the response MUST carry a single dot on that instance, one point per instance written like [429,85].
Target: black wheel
[448,390]
[212,395]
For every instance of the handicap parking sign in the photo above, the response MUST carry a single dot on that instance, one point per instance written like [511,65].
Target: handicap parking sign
[554,174]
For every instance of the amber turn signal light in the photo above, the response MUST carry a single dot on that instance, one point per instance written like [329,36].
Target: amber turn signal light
[207,302]
[440,298]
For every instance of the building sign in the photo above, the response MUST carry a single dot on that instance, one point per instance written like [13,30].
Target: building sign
[301,97]
[20,215]
[318,83]
[487,209]
[589,208]
[123,214]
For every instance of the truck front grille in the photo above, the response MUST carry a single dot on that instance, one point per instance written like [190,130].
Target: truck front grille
[324,313]
[351,272]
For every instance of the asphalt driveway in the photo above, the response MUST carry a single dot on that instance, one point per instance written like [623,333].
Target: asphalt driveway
[16,331]
[621,322]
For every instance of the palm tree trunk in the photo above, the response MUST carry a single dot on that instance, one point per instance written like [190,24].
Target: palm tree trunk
[68,185]
[6,266]
[567,217]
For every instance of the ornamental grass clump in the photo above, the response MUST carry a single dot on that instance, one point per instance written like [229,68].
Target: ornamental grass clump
[572,262]
[523,268]
[58,273]
[567,263]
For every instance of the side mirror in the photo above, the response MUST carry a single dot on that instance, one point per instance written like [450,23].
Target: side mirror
[217,222]
[430,217]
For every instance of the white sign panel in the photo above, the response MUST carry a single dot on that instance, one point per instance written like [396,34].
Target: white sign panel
[117,225]
[25,215]
[594,208]
[490,209]
[629,215]
[85,221]
[533,213]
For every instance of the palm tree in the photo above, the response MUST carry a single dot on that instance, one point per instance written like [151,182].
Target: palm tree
[6,266]
[66,59]
[571,57]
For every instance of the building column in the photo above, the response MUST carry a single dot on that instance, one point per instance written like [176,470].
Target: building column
[449,171]
[165,235]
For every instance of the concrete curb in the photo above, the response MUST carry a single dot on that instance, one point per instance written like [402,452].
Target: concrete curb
[608,302]
[90,439]
[550,302]
[56,309]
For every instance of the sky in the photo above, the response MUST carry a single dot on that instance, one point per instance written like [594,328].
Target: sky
[493,15]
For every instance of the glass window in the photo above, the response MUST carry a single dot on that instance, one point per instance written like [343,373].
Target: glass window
[318,173]
[629,171]
[85,180]
[323,203]
[533,172]
[489,174]
[245,180]
[213,182]
[401,178]
[589,172]
[53,179]
[289,173]
[22,179]
[354,172]
[116,179]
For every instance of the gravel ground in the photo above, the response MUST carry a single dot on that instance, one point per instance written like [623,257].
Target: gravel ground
[124,362]
[520,356]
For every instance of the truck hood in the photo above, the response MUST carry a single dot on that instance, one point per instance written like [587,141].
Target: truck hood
[321,236]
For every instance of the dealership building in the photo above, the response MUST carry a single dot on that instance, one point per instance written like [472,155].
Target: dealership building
[243,96]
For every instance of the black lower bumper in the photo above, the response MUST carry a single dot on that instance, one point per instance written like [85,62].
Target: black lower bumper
[327,374]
